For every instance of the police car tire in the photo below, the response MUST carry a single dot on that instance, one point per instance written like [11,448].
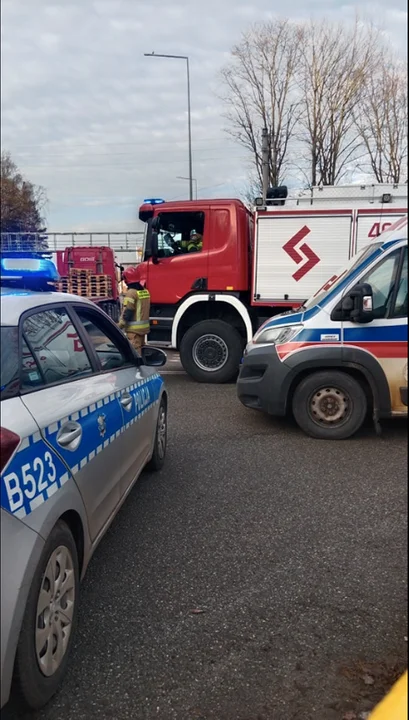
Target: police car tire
[234,343]
[344,382]
[157,461]
[31,689]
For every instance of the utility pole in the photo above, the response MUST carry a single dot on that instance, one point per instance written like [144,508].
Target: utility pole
[265,148]
[189,113]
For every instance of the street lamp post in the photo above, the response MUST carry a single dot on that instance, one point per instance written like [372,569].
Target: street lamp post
[189,120]
[180,177]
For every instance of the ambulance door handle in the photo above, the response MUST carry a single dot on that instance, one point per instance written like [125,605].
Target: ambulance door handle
[126,401]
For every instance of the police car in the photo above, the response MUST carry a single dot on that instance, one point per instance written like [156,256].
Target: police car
[81,415]
[344,352]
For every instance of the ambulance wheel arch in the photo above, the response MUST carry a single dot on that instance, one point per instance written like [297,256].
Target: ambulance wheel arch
[356,372]
[211,332]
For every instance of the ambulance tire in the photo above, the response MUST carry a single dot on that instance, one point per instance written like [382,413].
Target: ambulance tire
[207,343]
[322,393]
[32,689]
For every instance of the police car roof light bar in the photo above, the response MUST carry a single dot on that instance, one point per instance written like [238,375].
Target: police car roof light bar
[35,273]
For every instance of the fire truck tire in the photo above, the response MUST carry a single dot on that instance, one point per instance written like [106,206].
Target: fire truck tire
[330,405]
[211,351]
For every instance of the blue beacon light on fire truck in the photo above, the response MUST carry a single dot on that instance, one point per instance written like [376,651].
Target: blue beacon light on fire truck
[32,273]
[153,201]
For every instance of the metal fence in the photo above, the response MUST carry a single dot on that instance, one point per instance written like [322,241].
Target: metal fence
[130,241]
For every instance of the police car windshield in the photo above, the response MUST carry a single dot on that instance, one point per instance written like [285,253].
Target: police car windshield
[360,258]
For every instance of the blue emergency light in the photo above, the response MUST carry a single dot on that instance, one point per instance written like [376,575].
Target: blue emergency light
[153,201]
[34,273]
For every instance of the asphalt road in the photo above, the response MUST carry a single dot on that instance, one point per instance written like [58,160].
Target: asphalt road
[248,578]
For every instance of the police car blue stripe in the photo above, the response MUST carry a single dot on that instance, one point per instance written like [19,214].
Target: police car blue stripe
[21,495]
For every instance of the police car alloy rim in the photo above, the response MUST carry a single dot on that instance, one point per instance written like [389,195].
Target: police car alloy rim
[330,406]
[162,432]
[55,611]
[210,353]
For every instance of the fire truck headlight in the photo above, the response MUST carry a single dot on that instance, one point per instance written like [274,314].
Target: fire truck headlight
[277,335]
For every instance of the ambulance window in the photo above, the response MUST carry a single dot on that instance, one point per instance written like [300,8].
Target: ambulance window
[400,309]
[382,280]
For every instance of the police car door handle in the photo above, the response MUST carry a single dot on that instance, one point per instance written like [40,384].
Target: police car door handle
[70,435]
[126,401]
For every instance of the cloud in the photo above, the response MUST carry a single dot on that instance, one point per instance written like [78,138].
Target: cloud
[100,126]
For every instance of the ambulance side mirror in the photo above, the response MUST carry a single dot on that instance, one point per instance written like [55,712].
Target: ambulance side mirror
[356,306]
[362,297]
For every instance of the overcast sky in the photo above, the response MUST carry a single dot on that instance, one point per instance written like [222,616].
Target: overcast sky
[101,127]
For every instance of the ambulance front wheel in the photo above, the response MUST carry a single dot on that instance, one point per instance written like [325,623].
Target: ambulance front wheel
[329,405]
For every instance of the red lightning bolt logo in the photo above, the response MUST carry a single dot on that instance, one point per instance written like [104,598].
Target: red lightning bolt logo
[290,249]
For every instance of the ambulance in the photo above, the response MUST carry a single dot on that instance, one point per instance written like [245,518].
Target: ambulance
[343,353]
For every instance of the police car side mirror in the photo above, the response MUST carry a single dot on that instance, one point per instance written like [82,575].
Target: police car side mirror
[153,357]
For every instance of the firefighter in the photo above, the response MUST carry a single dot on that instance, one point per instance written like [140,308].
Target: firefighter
[195,242]
[135,313]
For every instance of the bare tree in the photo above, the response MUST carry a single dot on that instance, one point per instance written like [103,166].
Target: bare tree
[337,61]
[22,203]
[260,83]
[382,122]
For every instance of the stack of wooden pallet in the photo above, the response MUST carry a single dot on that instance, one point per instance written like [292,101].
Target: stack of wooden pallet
[64,284]
[100,286]
[83,283]
[79,282]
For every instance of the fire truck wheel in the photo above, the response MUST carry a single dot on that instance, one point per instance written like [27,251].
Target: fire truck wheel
[211,351]
[330,405]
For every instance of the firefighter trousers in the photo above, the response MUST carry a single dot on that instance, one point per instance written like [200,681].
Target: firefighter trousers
[136,340]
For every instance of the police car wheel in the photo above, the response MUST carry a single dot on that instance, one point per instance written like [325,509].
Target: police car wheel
[330,405]
[49,621]
[211,351]
[161,437]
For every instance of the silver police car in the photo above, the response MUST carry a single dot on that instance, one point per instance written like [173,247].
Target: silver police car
[81,415]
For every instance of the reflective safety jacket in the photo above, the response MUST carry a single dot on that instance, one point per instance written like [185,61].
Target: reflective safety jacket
[192,245]
[195,245]
[138,303]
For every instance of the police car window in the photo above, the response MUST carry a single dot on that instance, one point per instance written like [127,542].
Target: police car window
[9,362]
[30,375]
[382,280]
[107,350]
[400,309]
[180,233]
[56,346]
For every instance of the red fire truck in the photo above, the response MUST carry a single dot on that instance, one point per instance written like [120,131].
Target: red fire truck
[93,273]
[249,266]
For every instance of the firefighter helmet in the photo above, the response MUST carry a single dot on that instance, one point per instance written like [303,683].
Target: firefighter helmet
[132,275]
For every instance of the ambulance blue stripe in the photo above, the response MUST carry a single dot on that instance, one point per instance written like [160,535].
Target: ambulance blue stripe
[361,333]
[384,333]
